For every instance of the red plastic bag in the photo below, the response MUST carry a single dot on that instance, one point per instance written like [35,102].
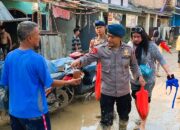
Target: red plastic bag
[165,46]
[142,103]
[76,55]
[98,81]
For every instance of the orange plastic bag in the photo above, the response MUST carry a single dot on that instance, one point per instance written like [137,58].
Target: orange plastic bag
[98,81]
[142,103]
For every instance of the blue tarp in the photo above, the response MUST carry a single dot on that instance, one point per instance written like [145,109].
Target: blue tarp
[58,64]
[176,20]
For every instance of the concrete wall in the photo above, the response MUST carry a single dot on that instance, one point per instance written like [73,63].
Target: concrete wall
[125,3]
[149,3]
[117,2]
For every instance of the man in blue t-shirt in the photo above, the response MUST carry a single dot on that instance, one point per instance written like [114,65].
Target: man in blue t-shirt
[26,74]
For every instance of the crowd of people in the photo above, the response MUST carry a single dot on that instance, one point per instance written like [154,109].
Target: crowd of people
[116,57]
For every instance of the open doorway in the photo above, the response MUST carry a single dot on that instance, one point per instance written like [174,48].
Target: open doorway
[11,27]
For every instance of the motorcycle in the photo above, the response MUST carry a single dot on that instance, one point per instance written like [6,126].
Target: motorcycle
[88,76]
[57,97]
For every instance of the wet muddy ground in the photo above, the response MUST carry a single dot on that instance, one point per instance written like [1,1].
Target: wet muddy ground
[83,115]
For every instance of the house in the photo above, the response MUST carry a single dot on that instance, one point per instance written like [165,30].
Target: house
[149,14]
[56,20]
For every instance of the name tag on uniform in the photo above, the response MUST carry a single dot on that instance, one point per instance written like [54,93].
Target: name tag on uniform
[126,53]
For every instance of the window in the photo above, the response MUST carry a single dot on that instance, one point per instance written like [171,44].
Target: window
[122,3]
[178,3]
[105,1]
[116,2]
[42,21]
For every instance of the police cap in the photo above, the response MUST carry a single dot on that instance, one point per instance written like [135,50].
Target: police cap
[117,30]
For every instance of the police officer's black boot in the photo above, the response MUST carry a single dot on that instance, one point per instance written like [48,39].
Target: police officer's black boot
[104,127]
[122,124]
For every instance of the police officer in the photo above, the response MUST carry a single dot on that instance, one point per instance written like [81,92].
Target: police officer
[100,29]
[116,58]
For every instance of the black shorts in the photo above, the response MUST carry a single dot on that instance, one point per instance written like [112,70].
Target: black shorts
[123,105]
[38,123]
[134,95]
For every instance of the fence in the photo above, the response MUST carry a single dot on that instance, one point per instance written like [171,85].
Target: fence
[53,46]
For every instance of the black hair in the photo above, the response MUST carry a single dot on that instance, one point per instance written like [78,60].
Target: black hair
[143,46]
[76,29]
[2,26]
[155,33]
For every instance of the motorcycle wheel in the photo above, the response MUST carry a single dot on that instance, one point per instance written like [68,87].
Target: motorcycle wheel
[62,97]
[70,92]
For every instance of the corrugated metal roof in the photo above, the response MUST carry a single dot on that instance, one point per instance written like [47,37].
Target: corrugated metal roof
[134,9]
[176,13]
[126,9]
[4,13]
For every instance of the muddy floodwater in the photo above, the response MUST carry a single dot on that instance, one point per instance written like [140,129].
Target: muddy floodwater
[83,115]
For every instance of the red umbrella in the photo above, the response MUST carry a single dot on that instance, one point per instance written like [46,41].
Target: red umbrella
[142,103]
[98,81]
[165,46]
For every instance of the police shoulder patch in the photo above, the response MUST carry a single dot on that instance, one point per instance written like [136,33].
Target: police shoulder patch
[94,51]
